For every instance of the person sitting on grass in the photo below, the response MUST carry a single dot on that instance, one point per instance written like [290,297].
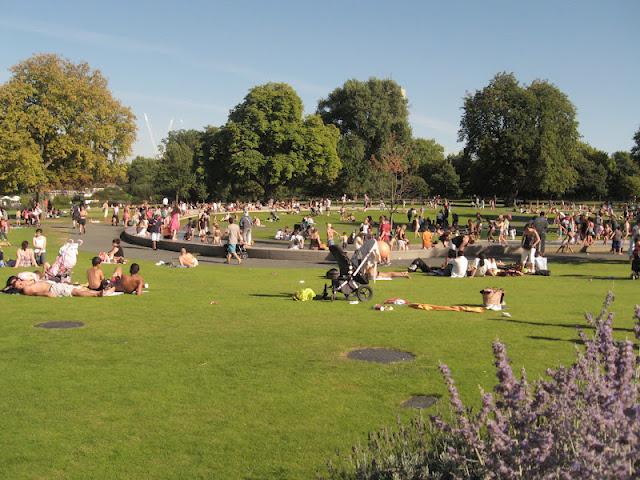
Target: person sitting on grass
[95,275]
[132,283]
[116,254]
[42,288]
[186,259]
[484,266]
[459,265]
[443,271]
[25,257]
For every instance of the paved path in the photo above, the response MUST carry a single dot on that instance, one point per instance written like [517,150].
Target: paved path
[99,236]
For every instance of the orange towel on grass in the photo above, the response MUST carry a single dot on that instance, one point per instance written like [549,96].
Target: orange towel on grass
[446,308]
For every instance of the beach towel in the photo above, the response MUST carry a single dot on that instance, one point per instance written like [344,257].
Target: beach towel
[446,308]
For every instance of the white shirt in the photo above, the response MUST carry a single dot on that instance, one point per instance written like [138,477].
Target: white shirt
[460,265]
[39,244]
[489,264]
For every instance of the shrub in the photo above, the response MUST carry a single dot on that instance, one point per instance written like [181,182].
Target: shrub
[581,421]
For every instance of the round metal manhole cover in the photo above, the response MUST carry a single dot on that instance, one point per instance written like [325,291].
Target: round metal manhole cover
[380,355]
[421,401]
[64,324]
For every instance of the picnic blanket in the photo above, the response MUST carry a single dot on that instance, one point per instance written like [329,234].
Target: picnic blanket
[446,308]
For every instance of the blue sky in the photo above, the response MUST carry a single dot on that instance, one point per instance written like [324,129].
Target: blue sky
[193,61]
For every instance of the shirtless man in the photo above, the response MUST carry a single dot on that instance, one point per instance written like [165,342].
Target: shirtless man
[186,259]
[43,288]
[95,275]
[132,283]
[331,234]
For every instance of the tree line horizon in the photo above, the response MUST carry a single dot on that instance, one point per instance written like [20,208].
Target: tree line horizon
[62,128]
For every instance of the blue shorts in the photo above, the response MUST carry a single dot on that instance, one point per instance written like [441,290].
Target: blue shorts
[231,248]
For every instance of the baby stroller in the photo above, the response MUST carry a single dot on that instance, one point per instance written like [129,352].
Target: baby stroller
[60,270]
[241,250]
[349,279]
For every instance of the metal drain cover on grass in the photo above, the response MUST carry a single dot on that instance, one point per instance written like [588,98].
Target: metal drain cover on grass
[380,355]
[421,401]
[60,325]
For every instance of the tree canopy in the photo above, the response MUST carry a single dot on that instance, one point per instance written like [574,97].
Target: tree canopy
[267,144]
[61,125]
[635,150]
[520,139]
[368,114]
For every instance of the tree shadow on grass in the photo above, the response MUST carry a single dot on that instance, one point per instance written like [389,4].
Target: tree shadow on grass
[577,259]
[593,277]
[576,341]
[575,326]
[271,295]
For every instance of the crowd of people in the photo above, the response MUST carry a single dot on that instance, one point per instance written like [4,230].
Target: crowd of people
[575,224]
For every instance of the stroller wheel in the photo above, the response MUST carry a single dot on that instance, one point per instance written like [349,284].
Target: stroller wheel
[364,293]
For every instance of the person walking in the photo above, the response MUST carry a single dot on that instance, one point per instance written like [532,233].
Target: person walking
[82,219]
[234,236]
[245,227]
[115,219]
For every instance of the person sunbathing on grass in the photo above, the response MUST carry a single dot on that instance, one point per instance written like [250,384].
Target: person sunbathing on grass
[42,288]
[186,259]
[132,283]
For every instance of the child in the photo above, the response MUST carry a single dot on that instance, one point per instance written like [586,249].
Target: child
[345,240]
[188,231]
[217,235]
[616,244]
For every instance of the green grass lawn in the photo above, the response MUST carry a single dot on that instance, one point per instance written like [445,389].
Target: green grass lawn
[256,387]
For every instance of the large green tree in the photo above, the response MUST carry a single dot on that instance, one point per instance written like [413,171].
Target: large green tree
[520,140]
[141,178]
[593,168]
[61,124]
[20,162]
[267,147]
[427,160]
[368,114]
[625,176]
[635,150]
[177,174]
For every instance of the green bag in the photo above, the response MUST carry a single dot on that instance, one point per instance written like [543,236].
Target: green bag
[304,294]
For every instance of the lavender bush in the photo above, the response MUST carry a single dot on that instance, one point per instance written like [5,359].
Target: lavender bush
[579,422]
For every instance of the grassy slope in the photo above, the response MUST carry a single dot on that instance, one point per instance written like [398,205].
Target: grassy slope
[169,386]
